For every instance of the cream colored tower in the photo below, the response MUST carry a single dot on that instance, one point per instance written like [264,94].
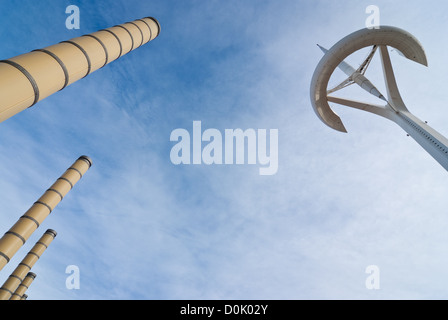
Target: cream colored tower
[30,77]
[394,108]
[19,274]
[18,294]
[16,237]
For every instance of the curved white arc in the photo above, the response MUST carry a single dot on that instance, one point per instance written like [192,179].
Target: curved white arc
[393,93]
[386,35]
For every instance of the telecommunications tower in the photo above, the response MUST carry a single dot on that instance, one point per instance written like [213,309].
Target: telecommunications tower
[394,108]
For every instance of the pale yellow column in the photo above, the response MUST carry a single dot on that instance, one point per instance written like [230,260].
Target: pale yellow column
[17,295]
[28,78]
[18,275]
[16,237]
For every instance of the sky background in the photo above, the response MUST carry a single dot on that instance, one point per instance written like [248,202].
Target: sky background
[139,227]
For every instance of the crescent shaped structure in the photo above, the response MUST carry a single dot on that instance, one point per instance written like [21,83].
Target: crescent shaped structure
[394,109]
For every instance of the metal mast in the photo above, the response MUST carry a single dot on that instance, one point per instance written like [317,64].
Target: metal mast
[395,109]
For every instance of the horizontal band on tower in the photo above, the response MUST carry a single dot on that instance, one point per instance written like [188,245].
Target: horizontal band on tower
[28,76]
[56,191]
[10,292]
[132,38]
[17,277]
[65,179]
[157,23]
[74,169]
[138,30]
[32,219]
[64,68]
[24,264]
[5,256]
[150,31]
[17,235]
[102,44]
[51,232]
[43,244]
[34,254]
[44,204]
[118,39]
[89,64]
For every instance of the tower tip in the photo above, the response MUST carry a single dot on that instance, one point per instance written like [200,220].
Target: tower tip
[86,158]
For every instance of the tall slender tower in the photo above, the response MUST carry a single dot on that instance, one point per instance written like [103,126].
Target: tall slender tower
[394,109]
[30,77]
[19,233]
[19,274]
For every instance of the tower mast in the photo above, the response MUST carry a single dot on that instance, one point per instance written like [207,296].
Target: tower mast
[395,109]
[28,78]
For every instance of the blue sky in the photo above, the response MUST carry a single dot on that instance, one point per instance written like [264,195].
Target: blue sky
[139,227]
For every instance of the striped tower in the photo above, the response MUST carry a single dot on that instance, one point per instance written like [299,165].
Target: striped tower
[19,274]
[18,294]
[16,237]
[28,78]
[392,106]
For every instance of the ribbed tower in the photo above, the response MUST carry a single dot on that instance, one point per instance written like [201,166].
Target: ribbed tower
[18,294]
[394,109]
[28,78]
[16,237]
[19,274]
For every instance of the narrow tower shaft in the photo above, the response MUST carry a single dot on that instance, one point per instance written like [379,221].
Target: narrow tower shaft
[19,274]
[30,77]
[19,233]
